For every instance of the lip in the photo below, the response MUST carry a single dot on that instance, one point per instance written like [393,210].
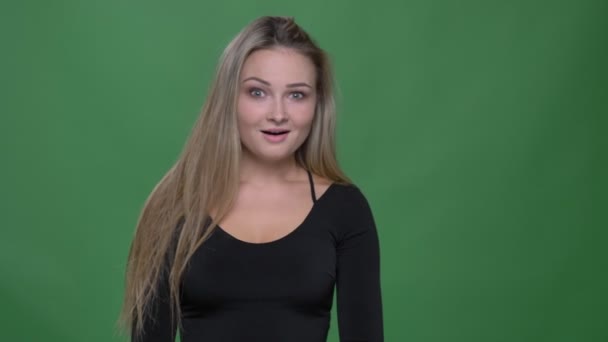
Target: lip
[275,130]
[275,138]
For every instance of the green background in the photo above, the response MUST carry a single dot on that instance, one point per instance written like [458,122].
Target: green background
[477,130]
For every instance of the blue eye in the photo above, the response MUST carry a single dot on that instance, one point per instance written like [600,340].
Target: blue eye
[255,92]
[298,95]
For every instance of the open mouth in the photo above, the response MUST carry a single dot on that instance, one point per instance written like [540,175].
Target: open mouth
[275,132]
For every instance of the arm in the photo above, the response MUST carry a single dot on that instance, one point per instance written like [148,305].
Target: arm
[157,325]
[358,275]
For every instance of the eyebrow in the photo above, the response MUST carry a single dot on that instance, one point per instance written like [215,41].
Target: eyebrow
[291,85]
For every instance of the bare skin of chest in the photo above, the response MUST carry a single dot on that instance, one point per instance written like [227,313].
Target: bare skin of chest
[265,215]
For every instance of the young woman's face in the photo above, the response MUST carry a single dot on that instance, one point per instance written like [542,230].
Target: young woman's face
[276,103]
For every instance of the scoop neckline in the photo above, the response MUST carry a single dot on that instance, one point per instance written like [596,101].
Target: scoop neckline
[288,235]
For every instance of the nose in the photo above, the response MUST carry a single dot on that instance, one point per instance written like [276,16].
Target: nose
[278,111]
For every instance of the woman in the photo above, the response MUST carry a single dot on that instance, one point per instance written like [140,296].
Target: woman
[247,235]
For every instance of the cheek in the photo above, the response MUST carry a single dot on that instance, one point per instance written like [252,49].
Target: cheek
[303,115]
[250,110]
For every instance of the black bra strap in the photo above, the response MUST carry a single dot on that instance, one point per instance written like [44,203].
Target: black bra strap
[312,187]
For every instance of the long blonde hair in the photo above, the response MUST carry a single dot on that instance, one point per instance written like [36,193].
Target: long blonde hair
[171,225]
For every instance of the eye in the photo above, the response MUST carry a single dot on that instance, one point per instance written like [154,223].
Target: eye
[298,95]
[256,92]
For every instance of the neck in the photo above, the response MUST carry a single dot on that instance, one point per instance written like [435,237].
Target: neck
[263,173]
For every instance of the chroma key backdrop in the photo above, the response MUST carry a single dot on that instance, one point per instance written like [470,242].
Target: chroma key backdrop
[476,129]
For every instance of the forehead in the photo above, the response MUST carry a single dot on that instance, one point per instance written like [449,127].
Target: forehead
[279,66]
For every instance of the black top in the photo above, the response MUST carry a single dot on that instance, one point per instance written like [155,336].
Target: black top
[282,291]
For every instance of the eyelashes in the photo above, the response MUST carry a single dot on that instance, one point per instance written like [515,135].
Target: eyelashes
[298,95]
[259,93]
[255,92]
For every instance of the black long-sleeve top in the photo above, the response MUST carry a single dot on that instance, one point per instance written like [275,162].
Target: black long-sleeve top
[282,291]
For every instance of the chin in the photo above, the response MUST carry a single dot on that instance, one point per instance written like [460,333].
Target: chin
[274,158]
[269,156]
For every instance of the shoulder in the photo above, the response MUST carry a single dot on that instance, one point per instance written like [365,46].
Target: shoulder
[349,196]
[349,208]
